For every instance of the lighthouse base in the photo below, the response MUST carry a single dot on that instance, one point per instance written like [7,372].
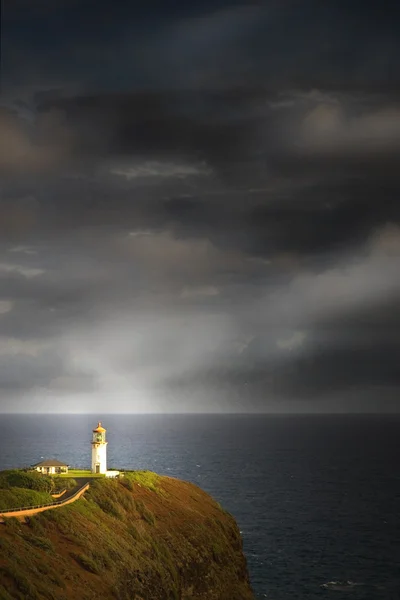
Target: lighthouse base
[112,474]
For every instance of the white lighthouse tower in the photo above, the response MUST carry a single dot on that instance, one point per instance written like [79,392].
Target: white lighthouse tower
[99,450]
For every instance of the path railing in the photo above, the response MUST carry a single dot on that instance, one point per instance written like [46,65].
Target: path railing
[58,494]
[42,507]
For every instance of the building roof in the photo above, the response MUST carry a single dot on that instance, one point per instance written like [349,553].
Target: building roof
[50,463]
[99,428]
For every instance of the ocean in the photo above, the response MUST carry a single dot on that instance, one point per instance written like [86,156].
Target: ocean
[317,498]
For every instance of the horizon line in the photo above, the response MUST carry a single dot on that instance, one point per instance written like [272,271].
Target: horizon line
[241,413]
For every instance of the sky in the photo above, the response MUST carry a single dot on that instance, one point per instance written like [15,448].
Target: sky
[199,206]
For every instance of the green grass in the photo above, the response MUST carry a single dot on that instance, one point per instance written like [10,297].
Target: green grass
[15,497]
[110,539]
[146,479]
[23,488]
[80,473]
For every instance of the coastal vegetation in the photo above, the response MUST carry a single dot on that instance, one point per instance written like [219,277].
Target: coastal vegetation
[19,488]
[18,498]
[146,479]
[140,537]
[30,480]
[80,473]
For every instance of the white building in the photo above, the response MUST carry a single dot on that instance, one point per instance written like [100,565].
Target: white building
[99,450]
[51,467]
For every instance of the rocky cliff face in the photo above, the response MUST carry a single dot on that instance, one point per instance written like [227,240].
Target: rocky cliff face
[144,537]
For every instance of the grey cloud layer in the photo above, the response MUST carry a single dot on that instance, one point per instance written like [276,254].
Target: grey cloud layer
[157,261]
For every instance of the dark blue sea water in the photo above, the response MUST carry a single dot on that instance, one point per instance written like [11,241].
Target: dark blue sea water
[317,498]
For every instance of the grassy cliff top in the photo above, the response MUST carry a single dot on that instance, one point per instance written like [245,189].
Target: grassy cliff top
[20,488]
[80,473]
[144,537]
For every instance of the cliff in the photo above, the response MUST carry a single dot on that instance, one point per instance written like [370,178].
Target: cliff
[143,537]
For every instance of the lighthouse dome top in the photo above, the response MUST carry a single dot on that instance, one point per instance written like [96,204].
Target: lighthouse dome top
[99,428]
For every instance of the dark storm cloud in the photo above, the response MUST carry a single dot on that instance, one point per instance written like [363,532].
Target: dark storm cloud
[307,43]
[331,373]
[328,360]
[199,207]
[136,158]
[27,147]
[317,335]
[338,369]
[156,125]
[132,162]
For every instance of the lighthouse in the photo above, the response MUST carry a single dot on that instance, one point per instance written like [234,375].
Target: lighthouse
[99,450]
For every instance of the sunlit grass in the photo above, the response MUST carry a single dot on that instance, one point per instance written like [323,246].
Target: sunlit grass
[20,489]
[18,497]
[146,479]
[81,473]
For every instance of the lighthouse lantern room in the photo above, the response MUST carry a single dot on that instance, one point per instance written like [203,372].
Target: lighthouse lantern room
[99,450]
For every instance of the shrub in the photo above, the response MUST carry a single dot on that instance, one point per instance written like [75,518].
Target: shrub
[145,513]
[6,548]
[86,562]
[110,507]
[132,530]
[4,595]
[174,595]
[217,552]
[16,497]
[61,483]
[127,483]
[29,480]
[35,523]
[21,582]
[149,517]
[39,542]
